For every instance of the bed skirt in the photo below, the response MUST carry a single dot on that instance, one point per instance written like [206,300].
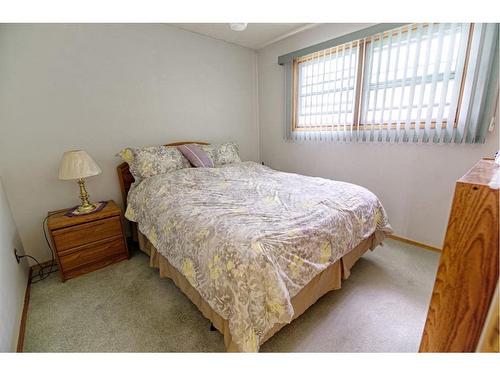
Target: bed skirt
[329,279]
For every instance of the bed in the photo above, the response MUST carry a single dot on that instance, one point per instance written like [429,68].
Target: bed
[251,247]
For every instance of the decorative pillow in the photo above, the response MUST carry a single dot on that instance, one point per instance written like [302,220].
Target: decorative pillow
[150,161]
[225,153]
[196,156]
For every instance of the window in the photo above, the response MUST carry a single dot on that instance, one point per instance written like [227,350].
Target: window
[326,88]
[398,85]
[412,77]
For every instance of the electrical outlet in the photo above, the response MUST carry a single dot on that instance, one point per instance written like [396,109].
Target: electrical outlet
[18,257]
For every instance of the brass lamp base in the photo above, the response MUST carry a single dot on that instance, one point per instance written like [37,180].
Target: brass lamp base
[86,207]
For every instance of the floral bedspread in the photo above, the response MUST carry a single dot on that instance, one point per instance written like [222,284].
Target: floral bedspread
[248,238]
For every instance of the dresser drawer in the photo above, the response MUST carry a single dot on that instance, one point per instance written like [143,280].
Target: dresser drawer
[93,253]
[82,234]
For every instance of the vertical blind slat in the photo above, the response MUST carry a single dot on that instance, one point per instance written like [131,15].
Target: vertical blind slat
[403,77]
[347,94]
[358,84]
[412,87]
[392,134]
[308,103]
[366,100]
[418,133]
[314,70]
[342,72]
[352,83]
[451,127]
[447,75]
[335,113]
[386,79]
[330,112]
[320,135]
[377,80]
[429,131]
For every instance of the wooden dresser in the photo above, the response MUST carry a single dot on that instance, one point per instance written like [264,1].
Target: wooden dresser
[468,268]
[88,242]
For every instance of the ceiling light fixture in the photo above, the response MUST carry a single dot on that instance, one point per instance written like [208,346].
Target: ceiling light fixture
[238,26]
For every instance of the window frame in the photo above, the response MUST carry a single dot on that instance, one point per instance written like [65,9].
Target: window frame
[361,44]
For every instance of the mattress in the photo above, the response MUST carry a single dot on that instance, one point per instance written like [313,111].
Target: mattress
[249,239]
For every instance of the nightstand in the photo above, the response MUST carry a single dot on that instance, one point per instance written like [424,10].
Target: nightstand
[85,243]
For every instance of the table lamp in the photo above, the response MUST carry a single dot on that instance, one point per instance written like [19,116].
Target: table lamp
[77,165]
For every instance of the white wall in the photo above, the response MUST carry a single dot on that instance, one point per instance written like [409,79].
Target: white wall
[13,278]
[104,87]
[414,182]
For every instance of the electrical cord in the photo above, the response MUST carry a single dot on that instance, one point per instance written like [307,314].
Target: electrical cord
[42,274]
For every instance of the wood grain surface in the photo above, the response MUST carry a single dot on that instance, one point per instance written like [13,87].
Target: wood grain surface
[468,266]
[490,337]
[57,219]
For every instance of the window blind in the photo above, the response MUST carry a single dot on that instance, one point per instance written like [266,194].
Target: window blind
[413,82]
[417,83]
[326,91]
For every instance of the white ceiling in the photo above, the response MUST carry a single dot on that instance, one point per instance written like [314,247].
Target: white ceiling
[256,35]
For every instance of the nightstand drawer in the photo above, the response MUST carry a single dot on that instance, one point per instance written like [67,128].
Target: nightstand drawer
[93,253]
[82,234]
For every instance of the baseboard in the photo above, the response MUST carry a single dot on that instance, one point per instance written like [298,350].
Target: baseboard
[414,243]
[24,316]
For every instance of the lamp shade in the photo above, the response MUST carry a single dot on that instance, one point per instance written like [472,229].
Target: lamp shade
[77,164]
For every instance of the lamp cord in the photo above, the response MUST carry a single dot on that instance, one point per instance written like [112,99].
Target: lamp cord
[42,274]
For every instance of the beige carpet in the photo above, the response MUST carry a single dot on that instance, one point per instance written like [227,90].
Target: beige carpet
[128,308]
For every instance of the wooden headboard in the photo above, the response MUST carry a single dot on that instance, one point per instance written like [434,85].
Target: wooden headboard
[126,179]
